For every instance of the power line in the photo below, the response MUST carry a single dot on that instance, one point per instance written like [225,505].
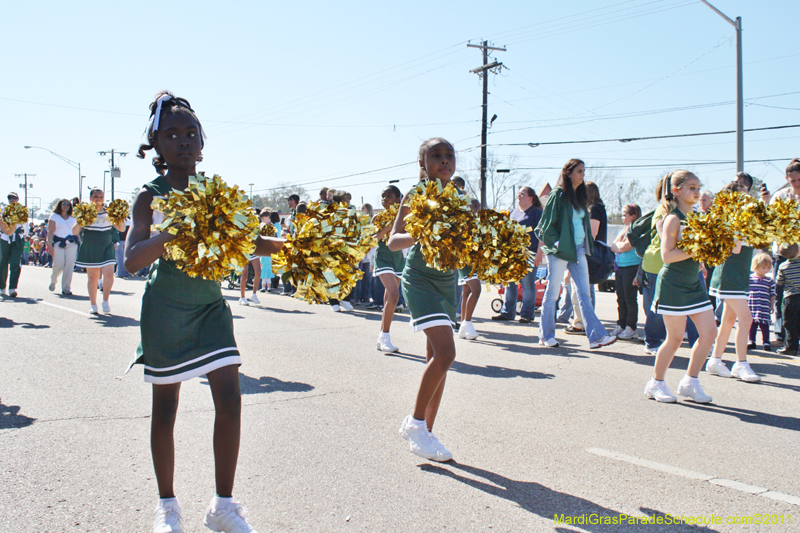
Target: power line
[662,165]
[631,139]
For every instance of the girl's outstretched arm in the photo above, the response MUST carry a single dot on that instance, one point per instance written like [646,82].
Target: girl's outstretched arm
[268,245]
[399,239]
[141,250]
[670,253]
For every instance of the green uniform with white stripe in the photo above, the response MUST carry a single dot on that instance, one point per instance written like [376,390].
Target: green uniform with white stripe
[731,279]
[97,243]
[388,262]
[429,293]
[186,324]
[465,274]
[679,290]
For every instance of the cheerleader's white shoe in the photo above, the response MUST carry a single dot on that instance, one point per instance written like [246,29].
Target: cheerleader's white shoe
[385,344]
[467,331]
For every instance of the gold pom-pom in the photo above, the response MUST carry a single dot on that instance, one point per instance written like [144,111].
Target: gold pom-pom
[268,229]
[786,218]
[85,214]
[214,224]
[117,211]
[322,258]
[499,252]
[15,213]
[386,218]
[707,239]
[441,222]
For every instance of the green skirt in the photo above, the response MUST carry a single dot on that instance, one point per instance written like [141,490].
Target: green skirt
[465,274]
[96,250]
[731,279]
[181,341]
[388,262]
[431,300]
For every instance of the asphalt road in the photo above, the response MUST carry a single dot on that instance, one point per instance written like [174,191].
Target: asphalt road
[536,433]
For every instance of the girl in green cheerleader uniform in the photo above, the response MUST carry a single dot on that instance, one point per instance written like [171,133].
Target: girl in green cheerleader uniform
[11,247]
[431,298]
[730,284]
[97,253]
[680,294]
[186,324]
[389,268]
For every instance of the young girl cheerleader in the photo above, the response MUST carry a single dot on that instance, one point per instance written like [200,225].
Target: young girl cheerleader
[680,293]
[186,324]
[389,269]
[565,233]
[431,298]
[471,293]
[97,253]
[730,285]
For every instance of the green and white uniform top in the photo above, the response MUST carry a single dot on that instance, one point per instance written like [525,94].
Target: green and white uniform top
[186,324]
[19,231]
[429,293]
[731,279]
[679,290]
[97,243]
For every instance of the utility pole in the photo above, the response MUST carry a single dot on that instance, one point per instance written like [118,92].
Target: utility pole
[115,173]
[484,72]
[737,24]
[25,185]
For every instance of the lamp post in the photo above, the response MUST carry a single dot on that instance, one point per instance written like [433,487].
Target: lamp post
[67,161]
[739,96]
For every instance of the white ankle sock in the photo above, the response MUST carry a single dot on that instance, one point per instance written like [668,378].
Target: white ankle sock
[413,422]
[218,502]
[167,502]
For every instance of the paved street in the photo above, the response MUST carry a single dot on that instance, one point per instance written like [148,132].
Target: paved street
[536,433]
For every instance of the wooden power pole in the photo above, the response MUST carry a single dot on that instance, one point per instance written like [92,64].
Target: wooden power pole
[483,71]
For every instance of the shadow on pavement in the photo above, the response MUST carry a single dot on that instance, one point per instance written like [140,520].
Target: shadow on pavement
[548,503]
[10,417]
[8,323]
[486,371]
[749,416]
[114,321]
[267,384]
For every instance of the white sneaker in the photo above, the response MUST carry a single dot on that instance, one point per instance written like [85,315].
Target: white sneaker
[336,308]
[12,293]
[229,519]
[617,331]
[549,343]
[398,309]
[605,341]
[3,292]
[444,452]
[100,284]
[106,307]
[658,391]
[253,298]
[627,334]
[385,344]
[93,310]
[467,331]
[717,367]
[243,301]
[52,286]
[419,441]
[650,351]
[345,305]
[743,371]
[691,388]
[167,517]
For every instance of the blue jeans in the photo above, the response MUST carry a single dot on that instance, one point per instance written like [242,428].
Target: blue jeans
[565,311]
[121,272]
[580,277]
[654,330]
[528,298]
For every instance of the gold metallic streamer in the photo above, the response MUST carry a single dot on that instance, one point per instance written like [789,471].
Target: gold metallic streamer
[117,211]
[15,213]
[442,223]
[499,251]
[214,224]
[707,238]
[322,258]
[85,214]
[268,229]
[386,218]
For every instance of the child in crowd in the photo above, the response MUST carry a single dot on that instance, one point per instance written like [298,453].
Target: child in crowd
[761,299]
[789,279]
[627,267]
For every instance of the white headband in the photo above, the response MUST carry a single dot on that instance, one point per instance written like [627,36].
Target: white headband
[161,99]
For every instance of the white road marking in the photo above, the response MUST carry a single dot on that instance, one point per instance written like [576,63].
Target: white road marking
[690,474]
[62,307]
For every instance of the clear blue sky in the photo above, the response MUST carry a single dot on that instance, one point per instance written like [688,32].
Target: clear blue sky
[317,92]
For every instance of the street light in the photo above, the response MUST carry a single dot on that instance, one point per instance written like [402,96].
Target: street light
[68,161]
[739,96]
